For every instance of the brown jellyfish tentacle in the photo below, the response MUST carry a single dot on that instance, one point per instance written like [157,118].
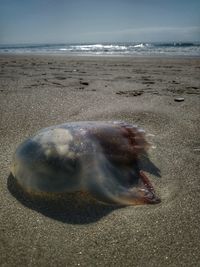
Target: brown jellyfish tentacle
[107,188]
[138,145]
[121,195]
[146,181]
[147,187]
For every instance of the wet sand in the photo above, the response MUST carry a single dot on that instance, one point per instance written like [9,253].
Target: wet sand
[39,91]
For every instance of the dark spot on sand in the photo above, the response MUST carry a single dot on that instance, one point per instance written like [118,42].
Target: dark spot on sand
[56,83]
[130,93]
[175,82]
[151,91]
[60,78]
[84,83]
[192,87]
[146,78]
[149,82]
[188,90]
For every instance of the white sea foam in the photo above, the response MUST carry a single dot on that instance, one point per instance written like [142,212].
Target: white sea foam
[139,45]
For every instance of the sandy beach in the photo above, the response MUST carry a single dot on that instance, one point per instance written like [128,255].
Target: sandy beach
[39,91]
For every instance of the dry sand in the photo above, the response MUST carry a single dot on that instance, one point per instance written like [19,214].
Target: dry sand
[38,91]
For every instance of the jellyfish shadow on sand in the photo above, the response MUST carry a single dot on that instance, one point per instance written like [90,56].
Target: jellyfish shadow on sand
[72,208]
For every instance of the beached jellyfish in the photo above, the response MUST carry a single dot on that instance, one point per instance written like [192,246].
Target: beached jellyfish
[97,157]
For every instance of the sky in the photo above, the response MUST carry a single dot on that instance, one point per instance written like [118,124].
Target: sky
[86,21]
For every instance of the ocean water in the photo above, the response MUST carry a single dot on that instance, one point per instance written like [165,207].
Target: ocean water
[115,49]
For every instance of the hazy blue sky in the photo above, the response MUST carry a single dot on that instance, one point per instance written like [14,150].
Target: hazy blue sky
[43,21]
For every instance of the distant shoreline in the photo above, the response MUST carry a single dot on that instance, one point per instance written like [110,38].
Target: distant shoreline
[135,49]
